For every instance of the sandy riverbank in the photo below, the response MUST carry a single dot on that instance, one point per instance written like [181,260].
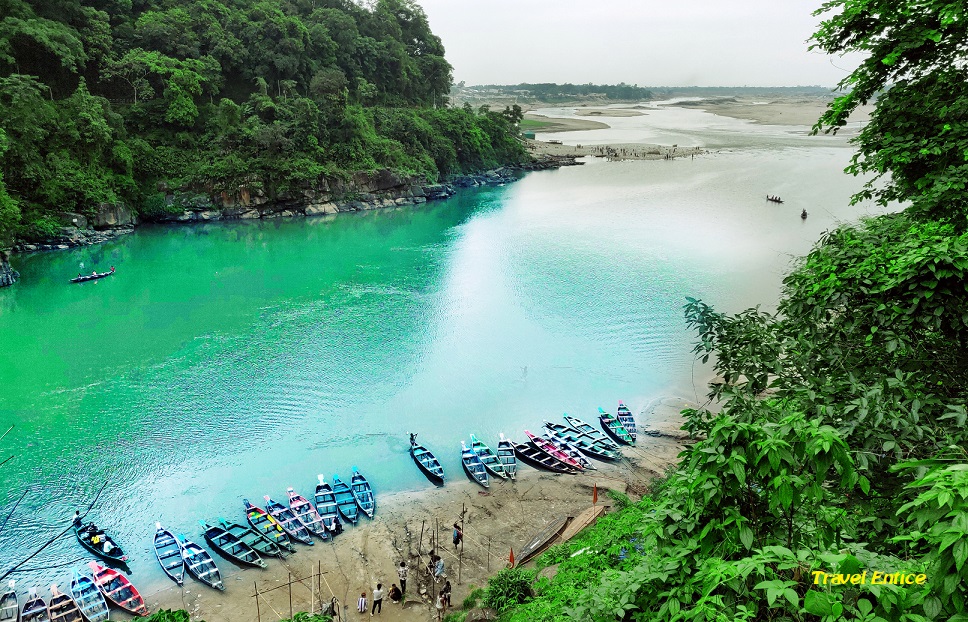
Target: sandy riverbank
[618,151]
[608,112]
[507,516]
[774,112]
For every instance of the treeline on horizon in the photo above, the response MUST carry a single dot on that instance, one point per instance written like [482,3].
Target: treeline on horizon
[106,101]
[549,91]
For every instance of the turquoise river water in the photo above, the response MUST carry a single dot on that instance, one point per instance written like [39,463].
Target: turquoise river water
[232,360]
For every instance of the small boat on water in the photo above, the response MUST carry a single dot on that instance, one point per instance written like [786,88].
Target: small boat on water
[553,450]
[96,541]
[363,493]
[288,521]
[35,609]
[593,434]
[267,527]
[624,416]
[117,589]
[427,462]
[258,542]
[539,459]
[326,506]
[169,554]
[10,604]
[581,442]
[569,449]
[773,199]
[200,564]
[505,453]
[345,500]
[614,428]
[473,466]
[230,546]
[62,607]
[81,278]
[306,514]
[488,458]
[88,598]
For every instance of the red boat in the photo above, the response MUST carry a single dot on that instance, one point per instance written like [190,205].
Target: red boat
[552,449]
[117,589]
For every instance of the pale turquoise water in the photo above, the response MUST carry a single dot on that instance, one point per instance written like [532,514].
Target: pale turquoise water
[232,360]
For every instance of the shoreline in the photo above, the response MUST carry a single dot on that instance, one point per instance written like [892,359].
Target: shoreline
[495,521]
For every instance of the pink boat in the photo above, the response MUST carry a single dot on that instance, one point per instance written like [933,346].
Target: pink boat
[117,589]
[552,449]
[307,514]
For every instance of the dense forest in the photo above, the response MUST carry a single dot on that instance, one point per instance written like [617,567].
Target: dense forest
[105,101]
[551,92]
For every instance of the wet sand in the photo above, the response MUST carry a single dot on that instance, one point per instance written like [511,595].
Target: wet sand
[608,112]
[775,112]
[408,525]
[615,152]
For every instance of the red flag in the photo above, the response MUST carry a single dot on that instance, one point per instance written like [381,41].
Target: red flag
[511,559]
[595,494]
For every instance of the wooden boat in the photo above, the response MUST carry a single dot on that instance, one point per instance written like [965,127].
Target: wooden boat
[569,449]
[89,600]
[473,466]
[542,540]
[169,554]
[35,609]
[258,542]
[306,514]
[200,564]
[505,453]
[62,607]
[427,462]
[488,458]
[10,604]
[326,506]
[267,527]
[581,442]
[230,546]
[583,520]
[774,199]
[624,416]
[593,434]
[614,428]
[117,589]
[537,458]
[81,278]
[363,493]
[345,500]
[553,450]
[288,521]
[95,540]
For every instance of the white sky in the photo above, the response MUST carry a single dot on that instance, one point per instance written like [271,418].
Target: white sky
[644,42]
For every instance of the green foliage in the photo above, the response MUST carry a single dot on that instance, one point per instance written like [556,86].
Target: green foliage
[302,616]
[473,598]
[457,616]
[167,615]
[509,587]
[551,92]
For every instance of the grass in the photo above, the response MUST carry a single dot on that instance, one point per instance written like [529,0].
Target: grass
[531,124]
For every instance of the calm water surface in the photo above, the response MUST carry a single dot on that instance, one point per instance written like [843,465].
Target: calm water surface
[232,360]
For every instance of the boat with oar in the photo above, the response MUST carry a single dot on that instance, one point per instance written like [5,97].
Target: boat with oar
[363,493]
[230,546]
[169,554]
[581,442]
[306,514]
[505,453]
[773,199]
[553,450]
[473,466]
[345,500]
[593,434]
[624,416]
[81,278]
[35,609]
[117,589]
[527,452]
[267,527]
[614,428]
[10,604]
[427,462]
[62,607]
[488,458]
[96,541]
[88,598]
[569,449]
[200,564]
[288,521]
[259,543]
[326,506]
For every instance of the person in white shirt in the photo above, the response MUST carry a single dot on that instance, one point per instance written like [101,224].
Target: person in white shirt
[402,573]
[377,600]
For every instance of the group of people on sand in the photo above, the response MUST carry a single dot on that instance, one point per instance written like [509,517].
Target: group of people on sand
[396,594]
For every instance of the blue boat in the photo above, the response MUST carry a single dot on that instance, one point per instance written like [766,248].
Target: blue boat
[363,493]
[345,500]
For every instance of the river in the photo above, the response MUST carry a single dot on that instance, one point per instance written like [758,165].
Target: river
[232,360]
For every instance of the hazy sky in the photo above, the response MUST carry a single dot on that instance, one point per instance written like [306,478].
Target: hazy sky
[645,42]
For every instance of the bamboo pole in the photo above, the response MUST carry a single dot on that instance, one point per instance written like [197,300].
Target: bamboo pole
[258,613]
[290,596]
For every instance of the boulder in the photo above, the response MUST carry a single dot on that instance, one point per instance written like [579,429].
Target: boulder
[71,219]
[317,209]
[8,276]
[250,214]
[109,215]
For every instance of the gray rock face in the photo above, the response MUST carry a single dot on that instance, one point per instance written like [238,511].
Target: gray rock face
[8,276]
[71,219]
[107,216]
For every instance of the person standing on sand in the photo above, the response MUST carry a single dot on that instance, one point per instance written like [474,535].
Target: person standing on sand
[445,592]
[377,600]
[440,607]
[361,606]
[402,573]
[458,536]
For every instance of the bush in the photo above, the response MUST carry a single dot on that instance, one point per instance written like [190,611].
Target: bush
[509,587]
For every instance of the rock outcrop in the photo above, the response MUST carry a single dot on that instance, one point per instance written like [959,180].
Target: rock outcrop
[8,276]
